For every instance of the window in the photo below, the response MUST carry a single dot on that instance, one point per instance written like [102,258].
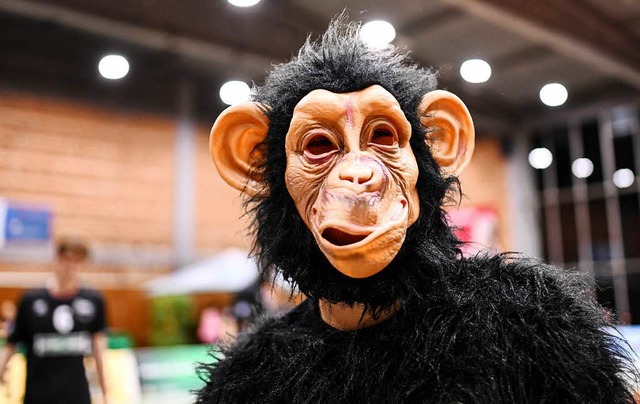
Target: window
[589,210]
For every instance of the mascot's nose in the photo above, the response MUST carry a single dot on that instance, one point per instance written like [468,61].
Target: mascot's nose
[358,174]
[361,173]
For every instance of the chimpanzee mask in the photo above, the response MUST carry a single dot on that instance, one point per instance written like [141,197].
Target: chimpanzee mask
[347,170]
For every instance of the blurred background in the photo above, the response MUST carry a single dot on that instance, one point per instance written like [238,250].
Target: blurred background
[105,108]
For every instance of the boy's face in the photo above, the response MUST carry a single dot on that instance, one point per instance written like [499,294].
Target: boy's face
[68,265]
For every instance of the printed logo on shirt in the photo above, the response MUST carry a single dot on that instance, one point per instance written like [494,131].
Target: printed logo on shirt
[40,307]
[84,309]
[63,319]
[72,344]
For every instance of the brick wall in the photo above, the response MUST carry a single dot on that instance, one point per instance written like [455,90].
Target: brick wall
[220,222]
[107,175]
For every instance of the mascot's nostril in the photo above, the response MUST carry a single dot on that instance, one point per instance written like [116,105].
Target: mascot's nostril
[357,174]
[365,178]
[341,238]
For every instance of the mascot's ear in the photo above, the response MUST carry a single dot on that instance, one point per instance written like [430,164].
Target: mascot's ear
[451,136]
[234,137]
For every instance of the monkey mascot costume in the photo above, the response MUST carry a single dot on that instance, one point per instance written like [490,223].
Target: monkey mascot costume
[347,154]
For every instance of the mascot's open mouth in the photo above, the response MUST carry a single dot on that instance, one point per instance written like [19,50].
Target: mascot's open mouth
[339,233]
[342,238]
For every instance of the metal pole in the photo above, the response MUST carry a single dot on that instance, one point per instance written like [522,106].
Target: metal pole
[184,177]
[616,246]
[552,209]
[581,204]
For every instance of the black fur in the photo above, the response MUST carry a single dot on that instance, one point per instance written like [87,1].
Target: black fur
[484,330]
[487,330]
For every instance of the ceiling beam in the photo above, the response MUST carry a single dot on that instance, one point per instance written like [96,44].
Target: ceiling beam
[571,28]
[306,19]
[429,21]
[521,57]
[213,54]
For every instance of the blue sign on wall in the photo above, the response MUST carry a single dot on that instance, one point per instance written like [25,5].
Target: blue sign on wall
[24,223]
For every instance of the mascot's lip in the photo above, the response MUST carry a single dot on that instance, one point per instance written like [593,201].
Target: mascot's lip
[340,235]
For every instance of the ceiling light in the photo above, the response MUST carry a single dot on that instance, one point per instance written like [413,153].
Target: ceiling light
[623,178]
[582,168]
[553,94]
[540,158]
[244,3]
[235,92]
[475,71]
[377,34]
[113,67]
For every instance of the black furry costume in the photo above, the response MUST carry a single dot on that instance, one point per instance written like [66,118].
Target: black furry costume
[500,329]
[479,331]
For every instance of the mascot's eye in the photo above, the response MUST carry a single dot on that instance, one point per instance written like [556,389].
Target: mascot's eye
[320,145]
[383,137]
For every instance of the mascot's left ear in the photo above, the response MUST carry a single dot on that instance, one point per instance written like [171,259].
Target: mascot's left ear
[233,145]
[451,135]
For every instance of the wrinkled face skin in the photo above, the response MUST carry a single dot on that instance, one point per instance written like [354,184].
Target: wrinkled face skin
[352,175]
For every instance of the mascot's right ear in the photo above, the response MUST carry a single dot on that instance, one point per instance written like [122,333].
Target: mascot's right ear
[233,146]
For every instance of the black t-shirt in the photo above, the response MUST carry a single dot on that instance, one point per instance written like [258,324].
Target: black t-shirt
[57,334]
